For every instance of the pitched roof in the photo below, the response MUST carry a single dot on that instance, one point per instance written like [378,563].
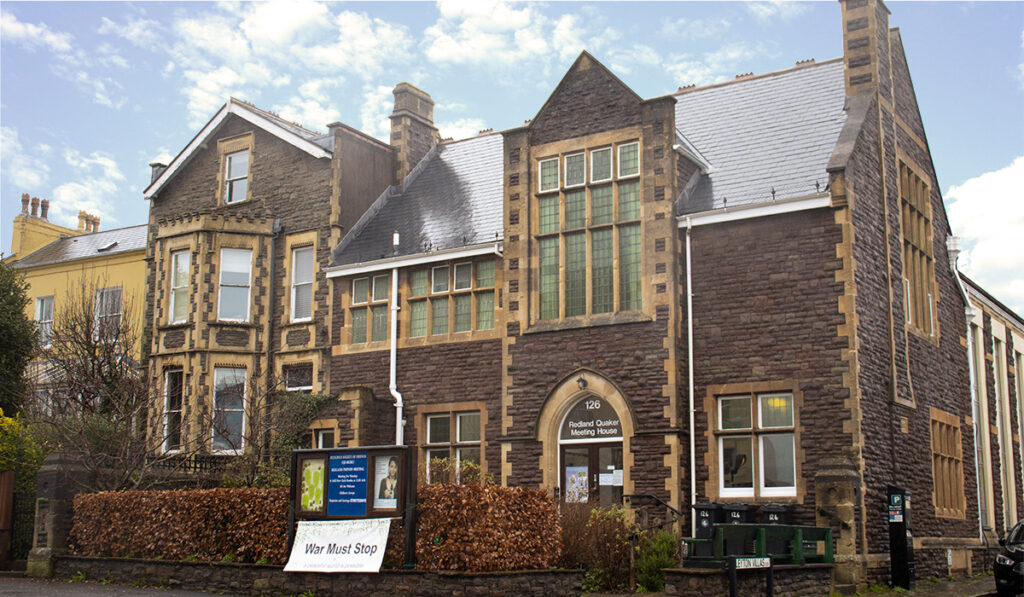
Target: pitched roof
[774,131]
[96,244]
[318,145]
[452,199]
[750,136]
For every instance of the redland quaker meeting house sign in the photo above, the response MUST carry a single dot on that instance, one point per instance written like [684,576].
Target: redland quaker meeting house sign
[343,501]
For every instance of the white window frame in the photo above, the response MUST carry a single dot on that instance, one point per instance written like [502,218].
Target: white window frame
[318,438]
[291,388]
[306,253]
[455,444]
[101,316]
[45,324]
[374,297]
[755,432]
[611,168]
[583,182]
[228,181]
[366,295]
[540,172]
[175,256]
[247,286]
[618,165]
[213,427]
[167,410]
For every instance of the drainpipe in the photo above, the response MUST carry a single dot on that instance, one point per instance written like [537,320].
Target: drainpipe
[953,248]
[270,301]
[399,403]
[689,358]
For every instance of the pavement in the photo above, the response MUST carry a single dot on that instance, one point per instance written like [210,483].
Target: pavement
[26,587]
[977,586]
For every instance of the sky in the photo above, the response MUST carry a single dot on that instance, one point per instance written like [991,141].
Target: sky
[92,92]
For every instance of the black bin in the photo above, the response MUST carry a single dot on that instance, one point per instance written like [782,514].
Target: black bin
[738,514]
[776,514]
[707,515]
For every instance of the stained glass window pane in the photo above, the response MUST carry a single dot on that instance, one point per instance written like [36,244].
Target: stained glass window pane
[603,291]
[549,278]
[601,205]
[575,274]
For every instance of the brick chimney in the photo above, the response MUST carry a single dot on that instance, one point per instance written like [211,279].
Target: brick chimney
[412,127]
[866,51]
[44,207]
[95,223]
[24,204]
[35,206]
[83,220]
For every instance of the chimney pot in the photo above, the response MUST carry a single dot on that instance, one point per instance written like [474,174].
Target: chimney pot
[95,223]
[44,207]
[81,220]
[24,203]
[35,206]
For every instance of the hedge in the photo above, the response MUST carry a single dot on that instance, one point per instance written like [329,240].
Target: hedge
[486,528]
[245,525]
[460,527]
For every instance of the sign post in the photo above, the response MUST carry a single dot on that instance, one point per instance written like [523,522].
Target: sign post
[343,502]
[749,563]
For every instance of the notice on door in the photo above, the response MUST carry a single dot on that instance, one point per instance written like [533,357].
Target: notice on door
[339,545]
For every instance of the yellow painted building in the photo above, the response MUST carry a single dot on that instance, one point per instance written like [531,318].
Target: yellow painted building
[59,262]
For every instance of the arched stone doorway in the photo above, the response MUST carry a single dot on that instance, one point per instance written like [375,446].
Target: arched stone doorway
[585,428]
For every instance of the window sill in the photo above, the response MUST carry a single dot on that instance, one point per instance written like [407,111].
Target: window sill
[297,323]
[233,324]
[587,321]
[173,326]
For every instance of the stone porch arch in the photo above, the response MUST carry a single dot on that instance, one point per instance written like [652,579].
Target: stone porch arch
[566,394]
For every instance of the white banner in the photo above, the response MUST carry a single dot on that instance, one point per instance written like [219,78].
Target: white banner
[339,545]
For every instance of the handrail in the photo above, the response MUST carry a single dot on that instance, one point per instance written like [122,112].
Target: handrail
[655,498]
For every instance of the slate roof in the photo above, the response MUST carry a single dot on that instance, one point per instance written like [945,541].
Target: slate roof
[95,244]
[772,131]
[452,199]
[324,140]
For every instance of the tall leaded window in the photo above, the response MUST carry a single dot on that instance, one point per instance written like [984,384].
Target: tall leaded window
[453,438]
[369,309]
[588,233]
[918,256]
[178,309]
[451,299]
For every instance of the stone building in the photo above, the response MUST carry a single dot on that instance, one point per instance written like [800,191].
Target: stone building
[738,293]
[996,346]
[241,224]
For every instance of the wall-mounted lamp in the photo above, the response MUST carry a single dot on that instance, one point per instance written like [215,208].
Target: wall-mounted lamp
[582,383]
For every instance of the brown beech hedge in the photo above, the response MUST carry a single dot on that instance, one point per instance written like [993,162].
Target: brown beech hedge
[460,527]
[484,527]
[245,525]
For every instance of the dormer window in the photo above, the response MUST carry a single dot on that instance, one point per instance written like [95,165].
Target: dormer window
[236,176]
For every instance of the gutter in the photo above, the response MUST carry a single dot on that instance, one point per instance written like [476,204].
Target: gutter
[413,260]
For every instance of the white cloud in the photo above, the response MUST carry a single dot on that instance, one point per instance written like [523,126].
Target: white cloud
[683,29]
[143,33]
[31,35]
[623,61]
[781,9]
[271,26]
[987,214]
[377,104]
[461,128]
[22,169]
[363,45]
[108,56]
[98,178]
[208,92]
[310,113]
[720,65]
[1020,67]
[473,32]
